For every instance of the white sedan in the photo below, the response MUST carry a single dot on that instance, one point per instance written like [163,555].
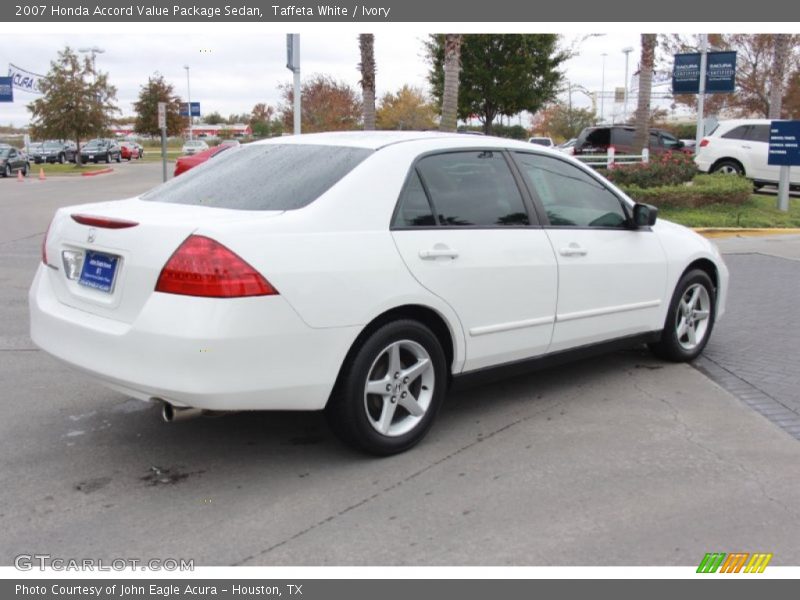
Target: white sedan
[363,274]
[193,147]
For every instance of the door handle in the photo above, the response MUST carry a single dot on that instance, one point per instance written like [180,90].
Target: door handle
[573,250]
[438,252]
[746,147]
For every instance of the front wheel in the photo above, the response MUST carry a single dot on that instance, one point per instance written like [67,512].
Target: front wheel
[390,389]
[62,159]
[7,171]
[690,318]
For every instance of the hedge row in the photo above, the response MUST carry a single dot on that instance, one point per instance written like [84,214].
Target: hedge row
[701,191]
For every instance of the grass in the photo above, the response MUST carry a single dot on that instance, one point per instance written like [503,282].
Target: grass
[65,169]
[759,211]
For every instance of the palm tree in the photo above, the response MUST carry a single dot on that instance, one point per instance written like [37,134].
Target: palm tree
[366,43]
[641,137]
[452,69]
[781,49]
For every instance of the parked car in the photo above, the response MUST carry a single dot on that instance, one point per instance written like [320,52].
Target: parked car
[53,151]
[193,147]
[101,149]
[129,150]
[314,273]
[567,147]
[13,161]
[741,147]
[541,141]
[184,163]
[597,140]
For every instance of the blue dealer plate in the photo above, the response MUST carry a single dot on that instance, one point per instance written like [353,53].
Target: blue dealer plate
[98,271]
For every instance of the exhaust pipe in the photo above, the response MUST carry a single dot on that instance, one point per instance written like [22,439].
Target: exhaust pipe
[171,413]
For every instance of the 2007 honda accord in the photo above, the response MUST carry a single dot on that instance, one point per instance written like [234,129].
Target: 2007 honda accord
[363,274]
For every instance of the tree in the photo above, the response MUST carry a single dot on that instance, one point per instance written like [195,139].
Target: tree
[407,109]
[755,57]
[366,44]
[780,55]
[327,105]
[451,83]
[76,101]
[562,122]
[154,91]
[263,122]
[214,118]
[641,135]
[500,74]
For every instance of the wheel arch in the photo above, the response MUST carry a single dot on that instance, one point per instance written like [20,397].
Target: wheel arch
[724,159]
[416,312]
[706,266]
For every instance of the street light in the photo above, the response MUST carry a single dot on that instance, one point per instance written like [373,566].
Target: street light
[189,103]
[93,51]
[603,89]
[627,52]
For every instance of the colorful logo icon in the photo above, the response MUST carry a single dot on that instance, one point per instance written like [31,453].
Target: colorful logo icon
[737,562]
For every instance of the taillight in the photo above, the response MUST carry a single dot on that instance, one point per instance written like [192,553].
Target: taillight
[704,142]
[44,243]
[103,222]
[204,267]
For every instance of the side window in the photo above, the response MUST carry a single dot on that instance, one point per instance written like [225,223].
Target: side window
[414,209]
[669,141]
[622,137]
[759,133]
[473,188]
[655,141]
[571,197]
[738,133]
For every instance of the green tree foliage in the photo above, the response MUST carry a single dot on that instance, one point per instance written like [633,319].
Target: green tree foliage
[500,74]
[150,94]
[214,118]
[326,104]
[263,121]
[76,101]
[409,108]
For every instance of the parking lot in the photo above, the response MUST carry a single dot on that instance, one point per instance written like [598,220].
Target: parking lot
[621,460]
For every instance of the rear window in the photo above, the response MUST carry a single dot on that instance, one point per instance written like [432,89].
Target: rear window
[262,177]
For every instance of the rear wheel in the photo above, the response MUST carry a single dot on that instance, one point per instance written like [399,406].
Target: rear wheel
[390,389]
[690,318]
[7,171]
[728,167]
[25,170]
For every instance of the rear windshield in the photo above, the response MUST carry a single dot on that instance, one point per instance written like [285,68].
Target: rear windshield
[262,177]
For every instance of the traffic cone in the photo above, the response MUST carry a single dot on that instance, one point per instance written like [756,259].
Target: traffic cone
[19,176]
[41,174]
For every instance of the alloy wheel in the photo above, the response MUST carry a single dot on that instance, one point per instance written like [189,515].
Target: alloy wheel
[692,318]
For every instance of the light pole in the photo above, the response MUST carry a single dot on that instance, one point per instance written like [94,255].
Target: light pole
[189,103]
[627,52]
[93,51]
[603,89]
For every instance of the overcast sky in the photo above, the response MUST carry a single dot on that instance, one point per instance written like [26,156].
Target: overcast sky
[230,72]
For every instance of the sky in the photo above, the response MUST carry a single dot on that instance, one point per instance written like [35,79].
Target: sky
[230,71]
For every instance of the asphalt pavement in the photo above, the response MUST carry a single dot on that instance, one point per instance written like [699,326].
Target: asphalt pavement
[619,460]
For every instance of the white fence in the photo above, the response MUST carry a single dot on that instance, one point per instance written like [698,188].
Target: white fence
[612,158]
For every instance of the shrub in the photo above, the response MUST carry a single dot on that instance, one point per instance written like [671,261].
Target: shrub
[670,168]
[702,191]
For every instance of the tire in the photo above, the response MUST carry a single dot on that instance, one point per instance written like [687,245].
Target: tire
[108,158]
[402,409]
[119,158]
[62,159]
[683,340]
[7,171]
[728,167]
[25,169]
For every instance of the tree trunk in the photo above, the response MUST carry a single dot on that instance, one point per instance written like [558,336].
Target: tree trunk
[366,43]
[781,52]
[78,160]
[452,70]
[641,137]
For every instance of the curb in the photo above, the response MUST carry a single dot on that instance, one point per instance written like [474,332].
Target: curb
[93,173]
[727,232]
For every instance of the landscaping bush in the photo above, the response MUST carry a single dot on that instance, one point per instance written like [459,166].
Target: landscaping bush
[702,191]
[670,168]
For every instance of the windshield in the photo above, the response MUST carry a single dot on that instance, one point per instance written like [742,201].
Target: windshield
[4,152]
[262,177]
[50,145]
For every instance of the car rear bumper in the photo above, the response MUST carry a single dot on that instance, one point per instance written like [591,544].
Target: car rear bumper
[214,354]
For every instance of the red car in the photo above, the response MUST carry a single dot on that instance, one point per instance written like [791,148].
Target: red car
[184,163]
[129,150]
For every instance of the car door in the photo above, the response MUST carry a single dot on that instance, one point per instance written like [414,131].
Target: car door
[15,160]
[468,234]
[611,277]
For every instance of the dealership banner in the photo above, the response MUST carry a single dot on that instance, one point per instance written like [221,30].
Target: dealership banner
[720,73]
[6,90]
[24,80]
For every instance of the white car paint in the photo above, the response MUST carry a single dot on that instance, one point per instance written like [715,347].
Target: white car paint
[193,147]
[503,293]
[751,154]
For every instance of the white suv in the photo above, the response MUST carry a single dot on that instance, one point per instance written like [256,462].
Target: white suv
[740,147]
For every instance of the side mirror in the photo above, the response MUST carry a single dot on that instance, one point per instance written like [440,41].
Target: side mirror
[680,144]
[644,215]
